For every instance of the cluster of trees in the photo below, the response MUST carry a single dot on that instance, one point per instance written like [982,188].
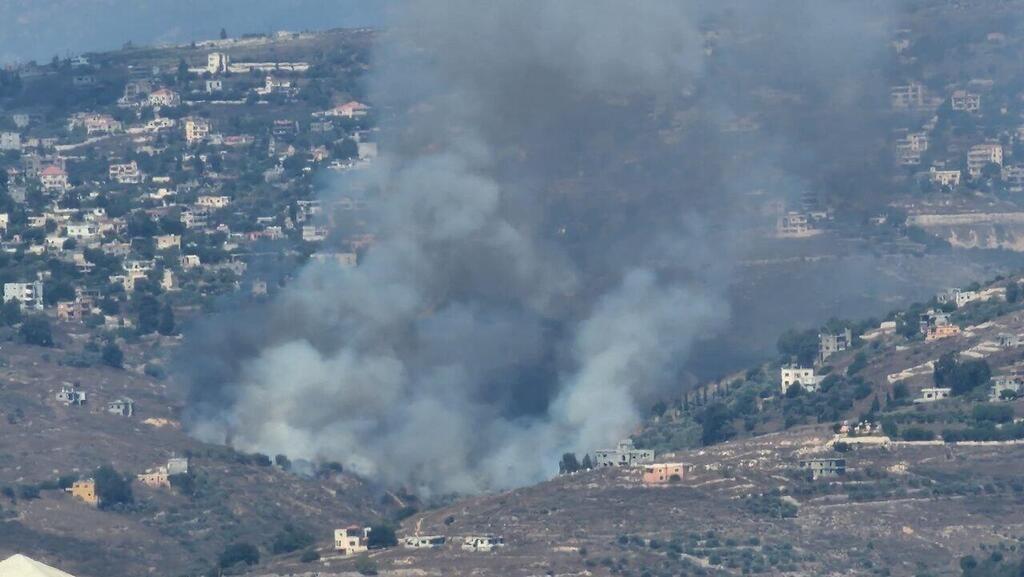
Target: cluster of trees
[834,397]
[241,553]
[802,346]
[570,464]
[994,566]
[961,377]
[984,432]
[290,538]
[36,330]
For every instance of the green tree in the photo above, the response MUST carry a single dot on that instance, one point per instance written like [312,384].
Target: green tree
[1012,292]
[900,391]
[715,423]
[112,487]
[11,313]
[381,536]
[112,355]
[290,538]
[961,376]
[35,330]
[148,314]
[165,325]
[568,464]
[587,463]
[993,413]
[801,345]
[283,462]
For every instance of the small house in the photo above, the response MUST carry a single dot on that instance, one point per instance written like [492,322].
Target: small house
[351,540]
[124,407]
[86,491]
[156,478]
[664,473]
[932,394]
[482,543]
[803,377]
[827,467]
[1005,387]
[624,455]
[424,542]
[177,466]
[71,395]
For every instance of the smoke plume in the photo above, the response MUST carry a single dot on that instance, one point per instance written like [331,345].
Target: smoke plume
[557,209]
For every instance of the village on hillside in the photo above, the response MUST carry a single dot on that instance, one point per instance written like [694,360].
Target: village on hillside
[142,189]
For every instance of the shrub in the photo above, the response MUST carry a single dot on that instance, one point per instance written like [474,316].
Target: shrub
[993,413]
[289,539]
[309,555]
[918,434]
[112,355]
[859,362]
[237,553]
[366,566]
[155,370]
[28,492]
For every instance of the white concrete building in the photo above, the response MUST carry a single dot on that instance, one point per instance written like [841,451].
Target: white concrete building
[28,294]
[351,540]
[217,62]
[950,178]
[932,394]
[126,173]
[10,141]
[163,97]
[907,96]
[82,231]
[482,543]
[981,155]
[965,101]
[211,201]
[167,241]
[196,129]
[790,375]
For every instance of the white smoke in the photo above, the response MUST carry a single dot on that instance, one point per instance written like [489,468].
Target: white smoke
[490,329]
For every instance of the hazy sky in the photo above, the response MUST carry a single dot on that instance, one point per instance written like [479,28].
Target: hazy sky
[39,29]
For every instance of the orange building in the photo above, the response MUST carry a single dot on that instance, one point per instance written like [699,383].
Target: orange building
[662,473]
[86,491]
[941,332]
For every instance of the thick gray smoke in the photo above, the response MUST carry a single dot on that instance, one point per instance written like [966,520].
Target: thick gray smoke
[556,211]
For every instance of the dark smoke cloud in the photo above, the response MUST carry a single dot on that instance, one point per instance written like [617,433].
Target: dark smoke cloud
[558,212]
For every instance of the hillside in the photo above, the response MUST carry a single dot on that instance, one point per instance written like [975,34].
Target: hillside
[233,497]
[933,482]
[907,509]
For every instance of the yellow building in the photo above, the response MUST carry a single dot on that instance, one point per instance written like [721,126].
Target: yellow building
[86,491]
